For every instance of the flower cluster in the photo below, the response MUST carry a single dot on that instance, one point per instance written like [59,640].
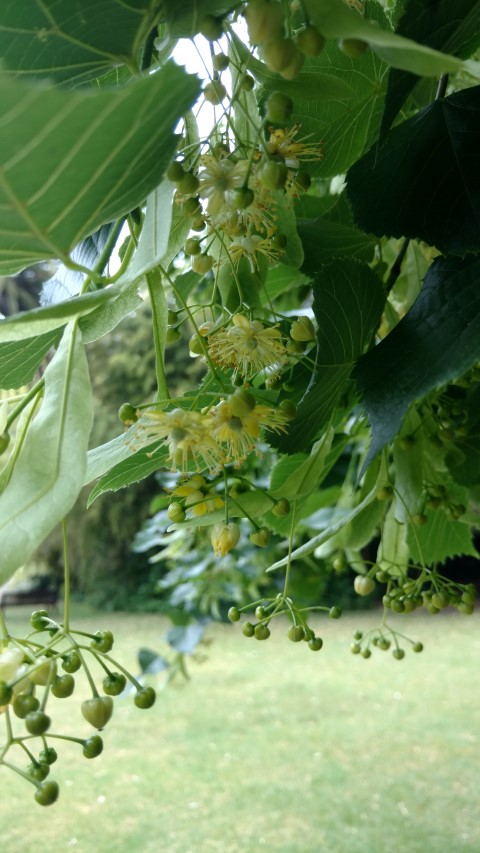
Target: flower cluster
[226,433]
[247,346]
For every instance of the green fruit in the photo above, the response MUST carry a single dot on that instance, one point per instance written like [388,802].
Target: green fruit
[145,698]
[71,661]
[384,493]
[211,27]
[358,635]
[335,612]
[48,755]
[363,585]
[114,683]
[241,403]
[214,92]
[63,686]
[353,47]
[175,172]
[383,644]
[23,704]
[102,641]
[398,606]
[6,693]
[247,83]
[39,620]
[302,329]
[440,600]
[188,184]
[92,746]
[127,414]
[242,197]
[355,649]
[294,67]
[248,629]
[366,653]
[469,595]
[172,336]
[46,793]
[176,512]
[37,722]
[192,246]
[417,647]
[97,711]
[260,612]
[315,644]
[264,20]
[260,537]
[381,576]
[192,206]
[279,53]
[281,508]
[279,108]
[234,614]
[310,42]
[38,771]
[202,264]
[220,62]
[262,632]
[296,633]
[465,607]
[46,670]
[398,654]
[273,175]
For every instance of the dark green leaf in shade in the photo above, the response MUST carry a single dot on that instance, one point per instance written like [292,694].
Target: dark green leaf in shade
[72,41]
[424,182]
[19,360]
[436,341]
[348,303]
[71,161]
[323,240]
[453,27]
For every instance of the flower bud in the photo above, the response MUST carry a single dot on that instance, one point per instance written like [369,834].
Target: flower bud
[260,537]
[224,537]
[302,329]
[264,20]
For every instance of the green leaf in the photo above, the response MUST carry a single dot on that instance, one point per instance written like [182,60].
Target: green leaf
[409,470]
[336,20]
[323,240]
[443,25]
[159,323]
[19,360]
[104,457]
[280,279]
[440,539]
[437,340]
[155,234]
[138,466]
[107,316]
[393,550]
[286,224]
[39,321]
[423,182]
[50,468]
[348,303]
[298,475]
[71,161]
[72,42]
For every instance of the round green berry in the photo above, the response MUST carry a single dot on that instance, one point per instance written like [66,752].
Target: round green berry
[23,704]
[37,723]
[114,683]
[192,246]
[127,414]
[296,633]
[102,641]
[273,175]
[335,612]
[38,771]
[39,620]
[417,647]
[175,172]
[145,698]
[92,746]
[310,42]
[260,612]
[279,108]
[234,614]
[353,48]
[211,27]
[97,711]
[248,629]
[355,648]
[398,654]
[6,693]
[63,686]
[315,644]
[48,755]
[214,92]
[71,661]
[46,793]
[220,62]
[262,632]
[281,508]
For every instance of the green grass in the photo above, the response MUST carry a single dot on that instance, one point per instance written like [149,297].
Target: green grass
[271,746]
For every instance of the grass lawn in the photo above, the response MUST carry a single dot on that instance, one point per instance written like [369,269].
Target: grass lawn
[272,746]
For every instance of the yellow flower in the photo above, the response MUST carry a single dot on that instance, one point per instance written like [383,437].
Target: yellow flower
[240,433]
[251,245]
[247,346]
[186,434]
[282,141]
[217,178]
[199,497]
[224,537]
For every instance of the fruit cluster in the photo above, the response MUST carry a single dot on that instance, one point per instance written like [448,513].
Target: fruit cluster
[267,609]
[34,669]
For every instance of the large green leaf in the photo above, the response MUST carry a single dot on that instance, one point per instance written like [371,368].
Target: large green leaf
[348,303]
[336,20]
[72,41]
[347,127]
[19,360]
[154,238]
[107,316]
[424,181]
[437,340]
[50,469]
[71,161]
[441,24]
[298,475]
